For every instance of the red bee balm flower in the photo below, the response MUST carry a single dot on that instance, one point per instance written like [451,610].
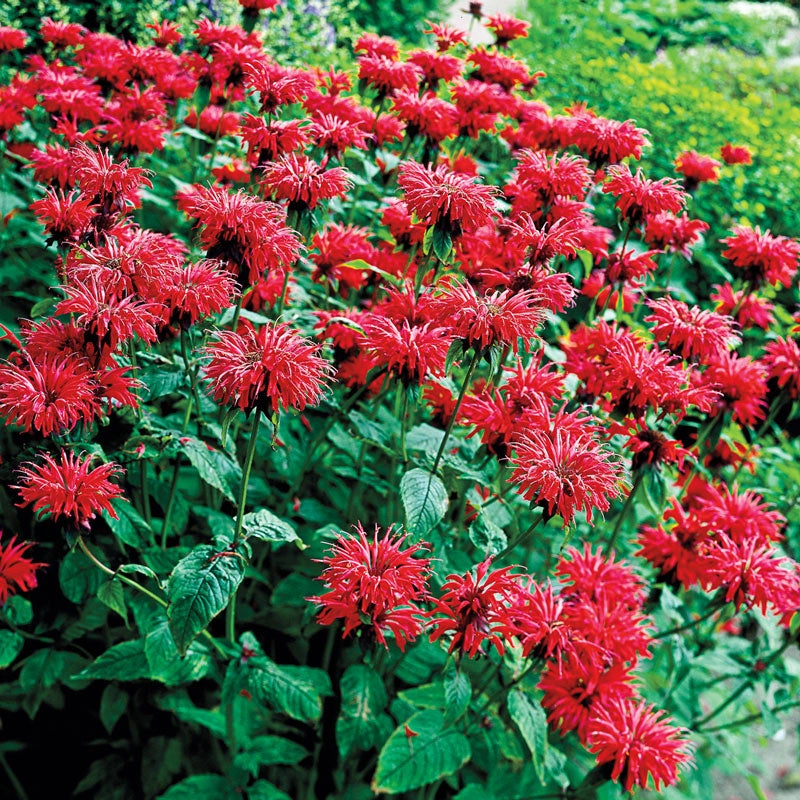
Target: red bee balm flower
[67,489]
[476,609]
[303,182]
[639,742]
[270,368]
[564,469]
[17,573]
[638,197]
[697,169]
[442,197]
[481,321]
[375,580]
[735,154]
[764,258]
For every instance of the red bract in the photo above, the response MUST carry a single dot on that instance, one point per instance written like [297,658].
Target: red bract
[763,257]
[560,466]
[17,573]
[638,197]
[411,352]
[474,610]
[639,742]
[481,321]
[449,199]
[67,488]
[268,369]
[689,331]
[375,581]
[303,183]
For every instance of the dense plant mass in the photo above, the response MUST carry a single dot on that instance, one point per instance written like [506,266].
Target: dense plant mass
[378,430]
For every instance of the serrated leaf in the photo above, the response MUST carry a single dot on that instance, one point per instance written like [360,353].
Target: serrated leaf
[202,786]
[125,661]
[457,693]
[215,467]
[488,538]
[264,790]
[164,661]
[10,645]
[161,380]
[362,718]
[79,578]
[186,711]
[112,705]
[531,719]
[268,527]
[419,752]
[441,243]
[286,688]
[111,595]
[129,525]
[200,586]
[424,500]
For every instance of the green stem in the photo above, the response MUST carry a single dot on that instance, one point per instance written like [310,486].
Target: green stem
[192,372]
[703,434]
[737,723]
[464,386]
[777,405]
[403,423]
[230,615]
[282,301]
[174,484]
[623,514]
[12,778]
[145,492]
[744,686]
[517,540]
[715,607]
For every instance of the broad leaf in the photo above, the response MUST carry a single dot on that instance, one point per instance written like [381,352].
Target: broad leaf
[112,705]
[215,467]
[10,645]
[125,661]
[488,538]
[111,595]
[264,751]
[200,586]
[362,720]
[268,527]
[419,752]
[424,500]
[531,719]
[202,786]
[457,693]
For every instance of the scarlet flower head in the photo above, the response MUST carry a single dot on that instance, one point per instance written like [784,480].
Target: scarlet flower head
[275,85]
[61,34]
[451,200]
[377,581]
[639,742]
[696,169]
[606,141]
[386,76]
[742,386]
[412,352]
[750,309]
[507,28]
[267,369]
[66,218]
[17,573]
[543,244]
[68,489]
[782,358]
[735,154]
[638,197]
[475,610]
[12,38]
[763,257]
[564,469]
[674,233]
[447,36]
[552,176]
[690,331]
[303,183]
[481,321]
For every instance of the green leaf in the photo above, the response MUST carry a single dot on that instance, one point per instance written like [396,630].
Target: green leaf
[79,578]
[161,380]
[140,569]
[441,243]
[264,751]
[125,661]
[111,595]
[129,525]
[186,711]
[457,693]
[164,661]
[427,241]
[18,610]
[268,527]
[286,688]
[10,645]
[264,790]
[489,538]
[41,308]
[215,467]
[202,787]
[199,588]
[112,705]
[431,752]
[531,720]
[424,500]
[362,720]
